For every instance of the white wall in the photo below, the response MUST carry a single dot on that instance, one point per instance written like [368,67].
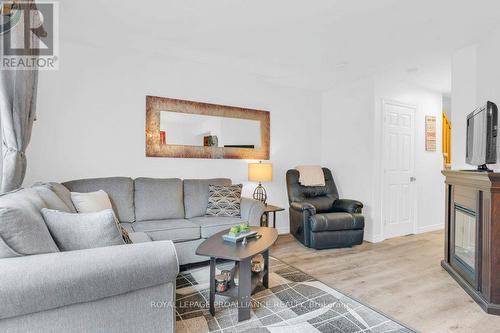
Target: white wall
[351,136]
[488,69]
[347,145]
[91,119]
[488,74]
[463,101]
[475,80]
[447,106]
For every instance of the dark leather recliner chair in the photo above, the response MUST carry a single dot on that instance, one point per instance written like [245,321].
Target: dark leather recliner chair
[318,218]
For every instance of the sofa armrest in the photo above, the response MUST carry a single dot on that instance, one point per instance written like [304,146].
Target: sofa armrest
[251,211]
[303,206]
[139,237]
[347,206]
[47,281]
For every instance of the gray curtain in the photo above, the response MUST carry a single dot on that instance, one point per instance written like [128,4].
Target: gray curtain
[18,90]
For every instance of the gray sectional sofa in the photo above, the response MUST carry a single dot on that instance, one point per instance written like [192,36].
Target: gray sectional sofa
[169,209]
[123,288]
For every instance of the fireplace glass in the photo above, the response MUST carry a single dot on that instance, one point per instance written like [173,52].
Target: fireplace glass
[465,236]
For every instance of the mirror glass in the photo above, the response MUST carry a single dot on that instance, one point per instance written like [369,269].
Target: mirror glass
[210,131]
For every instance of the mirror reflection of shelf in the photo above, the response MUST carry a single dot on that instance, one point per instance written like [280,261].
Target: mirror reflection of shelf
[209,131]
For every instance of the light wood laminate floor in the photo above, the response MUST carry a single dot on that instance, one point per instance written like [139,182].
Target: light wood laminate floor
[401,277]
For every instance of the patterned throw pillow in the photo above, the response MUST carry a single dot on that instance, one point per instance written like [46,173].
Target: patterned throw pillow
[224,200]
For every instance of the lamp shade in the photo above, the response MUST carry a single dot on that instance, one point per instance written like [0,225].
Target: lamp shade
[260,172]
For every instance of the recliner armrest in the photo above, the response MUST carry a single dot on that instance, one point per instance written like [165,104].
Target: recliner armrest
[303,206]
[347,206]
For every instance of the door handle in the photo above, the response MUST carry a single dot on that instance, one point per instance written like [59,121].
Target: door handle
[412,179]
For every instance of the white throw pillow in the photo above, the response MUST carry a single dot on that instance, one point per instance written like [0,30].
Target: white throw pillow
[91,202]
[94,202]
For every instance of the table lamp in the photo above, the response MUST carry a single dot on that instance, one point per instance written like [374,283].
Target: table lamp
[260,172]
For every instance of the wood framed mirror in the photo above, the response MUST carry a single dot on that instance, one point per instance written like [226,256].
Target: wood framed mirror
[187,129]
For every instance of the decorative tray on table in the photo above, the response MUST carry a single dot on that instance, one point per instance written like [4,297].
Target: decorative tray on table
[236,237]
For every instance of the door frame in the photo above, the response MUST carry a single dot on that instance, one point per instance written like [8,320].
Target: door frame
[382,151]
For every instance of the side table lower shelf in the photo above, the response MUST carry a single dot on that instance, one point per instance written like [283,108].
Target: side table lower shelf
[256,281]
[247,284]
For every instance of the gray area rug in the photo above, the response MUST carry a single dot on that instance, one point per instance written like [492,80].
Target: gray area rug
[294,302]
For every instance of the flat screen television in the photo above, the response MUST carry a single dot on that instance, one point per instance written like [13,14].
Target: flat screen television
[482,125]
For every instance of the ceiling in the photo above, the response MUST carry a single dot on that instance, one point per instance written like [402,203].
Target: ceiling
[307,44]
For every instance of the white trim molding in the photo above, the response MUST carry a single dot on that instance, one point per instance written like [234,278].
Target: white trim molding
[374,238]
[430,228]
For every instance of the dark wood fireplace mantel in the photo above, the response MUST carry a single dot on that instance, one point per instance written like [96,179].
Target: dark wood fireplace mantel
[472,235]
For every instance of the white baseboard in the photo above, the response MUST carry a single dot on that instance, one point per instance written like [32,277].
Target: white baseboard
[379,238]
[283,231]
[373,238]
[430,228]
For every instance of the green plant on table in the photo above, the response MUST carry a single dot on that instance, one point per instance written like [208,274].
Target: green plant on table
[234,230]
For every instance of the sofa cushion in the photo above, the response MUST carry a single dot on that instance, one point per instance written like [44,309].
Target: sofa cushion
[158,199]
[62,193]
[50,199]
[119,189]
[83,231]
[176,230]
[22,228]
[127,226]
[211,225]
[336,222]
[196,195]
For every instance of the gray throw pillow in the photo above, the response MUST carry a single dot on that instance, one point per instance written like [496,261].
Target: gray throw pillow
[224,200]
[82,231]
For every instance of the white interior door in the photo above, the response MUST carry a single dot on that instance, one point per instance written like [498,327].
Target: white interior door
[398,194]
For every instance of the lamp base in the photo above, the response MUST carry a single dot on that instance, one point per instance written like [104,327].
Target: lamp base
[260,194]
